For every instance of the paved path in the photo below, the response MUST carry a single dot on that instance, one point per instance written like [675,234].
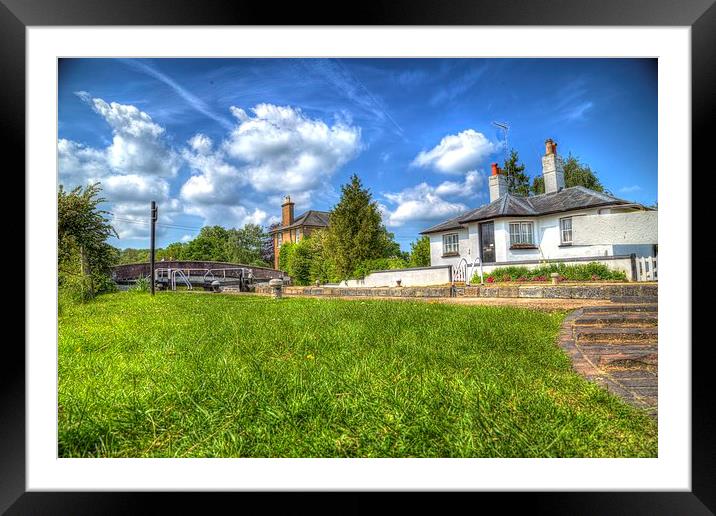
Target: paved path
[616,346]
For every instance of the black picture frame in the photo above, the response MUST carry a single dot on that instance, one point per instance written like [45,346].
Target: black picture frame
[700,15]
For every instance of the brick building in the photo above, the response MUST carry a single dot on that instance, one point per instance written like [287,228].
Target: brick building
[293,229]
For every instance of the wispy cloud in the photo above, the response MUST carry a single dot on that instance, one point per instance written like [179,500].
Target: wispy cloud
[341,78]
[456,86]
[194,101]
[572,102]
[412,77]
[630,189]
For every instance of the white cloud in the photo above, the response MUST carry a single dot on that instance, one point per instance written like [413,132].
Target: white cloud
[214,181]
[80,164]
[228,216]
[630,189]
[424,202]
[136,188]
[132,170]
[131,218]
[283,150]
[457,153]
[276,150]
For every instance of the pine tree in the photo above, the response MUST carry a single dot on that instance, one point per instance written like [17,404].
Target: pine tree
[518,183]
[355,231]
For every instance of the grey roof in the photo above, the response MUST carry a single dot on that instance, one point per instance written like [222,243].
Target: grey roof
[567,199]
[308,218]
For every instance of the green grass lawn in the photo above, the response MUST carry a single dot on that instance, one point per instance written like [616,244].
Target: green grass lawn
[212,375]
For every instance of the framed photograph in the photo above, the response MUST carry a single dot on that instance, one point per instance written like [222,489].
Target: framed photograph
[413,250]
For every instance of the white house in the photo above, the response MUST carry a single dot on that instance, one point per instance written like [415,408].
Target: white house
[568,225]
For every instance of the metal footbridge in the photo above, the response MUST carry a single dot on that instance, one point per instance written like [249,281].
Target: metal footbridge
[189,278]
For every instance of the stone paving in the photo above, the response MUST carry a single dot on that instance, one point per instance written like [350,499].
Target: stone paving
[616,346]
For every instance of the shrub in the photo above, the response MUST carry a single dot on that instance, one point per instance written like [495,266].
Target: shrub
[300,262]
[284,256]
[592,271]
[378,264]
[143,284]
[74,288]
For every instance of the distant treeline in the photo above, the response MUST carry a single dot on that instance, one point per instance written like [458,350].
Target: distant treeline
[250,245]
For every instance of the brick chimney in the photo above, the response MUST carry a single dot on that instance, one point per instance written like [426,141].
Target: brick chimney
[552,168]
[498,183]
[287,211]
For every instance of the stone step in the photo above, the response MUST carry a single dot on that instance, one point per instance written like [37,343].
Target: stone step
[633,360]
[620,308]
[643,318]
[592,349]
[635,299]
[625,334]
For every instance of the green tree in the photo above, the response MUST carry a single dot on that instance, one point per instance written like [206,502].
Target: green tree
[576,173]
[518,183]
[210,244]
[356,232]
[285,254]
[84,256]
[299,264]
[130,255]
[322,268]
[420,252]
[245,245]
[174,251]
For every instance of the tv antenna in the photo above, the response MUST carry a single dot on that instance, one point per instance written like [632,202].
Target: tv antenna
[505,129]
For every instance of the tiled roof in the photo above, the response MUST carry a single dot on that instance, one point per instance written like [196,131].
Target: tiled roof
[308,218]
[567,199]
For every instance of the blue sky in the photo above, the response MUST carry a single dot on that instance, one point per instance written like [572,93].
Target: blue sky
[221,141]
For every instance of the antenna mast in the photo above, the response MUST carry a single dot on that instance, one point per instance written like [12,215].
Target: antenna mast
[505,130]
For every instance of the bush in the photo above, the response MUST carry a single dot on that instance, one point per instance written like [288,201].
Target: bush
[75,288]
[592,271]
[378,264]
[284,256]
[143,284]
[300,262]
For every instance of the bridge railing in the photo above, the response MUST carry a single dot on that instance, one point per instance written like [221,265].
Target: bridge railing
[133,271]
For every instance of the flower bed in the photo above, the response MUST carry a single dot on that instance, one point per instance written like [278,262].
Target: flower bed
[592,271]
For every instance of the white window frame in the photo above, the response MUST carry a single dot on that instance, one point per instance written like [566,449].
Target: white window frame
[449,247]
[562,231]
[520,233]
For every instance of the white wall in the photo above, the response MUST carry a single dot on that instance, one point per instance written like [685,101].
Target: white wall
[415,277]
[632,228]
[588,238]
[436,248]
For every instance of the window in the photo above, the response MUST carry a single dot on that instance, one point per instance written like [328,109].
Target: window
[278,240]
[450,244]
[521,234]
[565,230]
[298,235]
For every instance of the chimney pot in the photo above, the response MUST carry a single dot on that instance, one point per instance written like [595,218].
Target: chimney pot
[550,146]
[495,169]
